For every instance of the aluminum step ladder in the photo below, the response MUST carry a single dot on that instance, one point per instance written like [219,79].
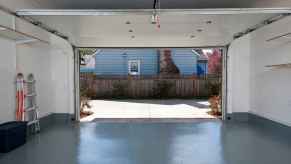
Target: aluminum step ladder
[31,108]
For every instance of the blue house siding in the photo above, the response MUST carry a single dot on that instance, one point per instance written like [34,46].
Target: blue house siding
[115,61]
[185,60]
[87,70]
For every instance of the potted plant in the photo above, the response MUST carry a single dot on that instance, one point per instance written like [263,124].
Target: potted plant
[85,94]
[215,98]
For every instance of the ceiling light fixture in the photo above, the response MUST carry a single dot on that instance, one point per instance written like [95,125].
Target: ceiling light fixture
[155,18]
[208,22]
[192,36]
[3,28]
[130,30]
[199,30]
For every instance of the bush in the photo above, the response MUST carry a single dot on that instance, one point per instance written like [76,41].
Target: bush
[214,88]
[162,89]
[120,90]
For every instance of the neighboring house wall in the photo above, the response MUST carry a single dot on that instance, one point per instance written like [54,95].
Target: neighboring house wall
[185,60]
[115,61]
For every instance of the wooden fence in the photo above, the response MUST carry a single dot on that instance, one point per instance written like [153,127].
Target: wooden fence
[147,86]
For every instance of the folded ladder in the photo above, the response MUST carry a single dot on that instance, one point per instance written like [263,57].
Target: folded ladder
[31,108]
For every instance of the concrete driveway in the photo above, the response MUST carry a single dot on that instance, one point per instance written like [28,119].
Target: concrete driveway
[148,109]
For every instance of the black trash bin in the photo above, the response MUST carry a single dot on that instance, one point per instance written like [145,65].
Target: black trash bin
[12,135]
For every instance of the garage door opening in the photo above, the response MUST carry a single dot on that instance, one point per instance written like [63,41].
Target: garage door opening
[176,28]
[150,83]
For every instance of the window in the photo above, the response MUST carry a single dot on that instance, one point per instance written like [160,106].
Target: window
[134,67]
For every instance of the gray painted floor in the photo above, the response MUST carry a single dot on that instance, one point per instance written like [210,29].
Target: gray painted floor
[202,142]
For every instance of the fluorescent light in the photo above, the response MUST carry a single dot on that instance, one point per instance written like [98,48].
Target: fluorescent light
[3,28]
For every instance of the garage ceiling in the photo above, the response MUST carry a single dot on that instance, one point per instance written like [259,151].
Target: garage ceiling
[176,30]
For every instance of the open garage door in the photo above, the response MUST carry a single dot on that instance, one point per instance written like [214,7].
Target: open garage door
[138,29]
[152,84]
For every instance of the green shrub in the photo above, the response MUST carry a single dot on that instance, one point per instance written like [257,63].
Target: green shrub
[162,89]
[120,90]
[214,87]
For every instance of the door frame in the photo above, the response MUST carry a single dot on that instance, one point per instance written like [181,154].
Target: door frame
[224,76]
[224,82]
[77,84]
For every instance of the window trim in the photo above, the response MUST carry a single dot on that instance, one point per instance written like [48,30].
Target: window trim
[129,66]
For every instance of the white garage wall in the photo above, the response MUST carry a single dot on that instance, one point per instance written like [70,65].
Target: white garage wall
[53,67]
[253,87]
[239,75]
[62,73]
[7,80]
[270,88]
[37,60]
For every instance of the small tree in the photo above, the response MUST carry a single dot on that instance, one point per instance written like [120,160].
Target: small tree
[215,62]
[86,51]
[215,98]
[167,65]
[163,88]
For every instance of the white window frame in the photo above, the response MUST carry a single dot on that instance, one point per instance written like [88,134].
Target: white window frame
[129,66]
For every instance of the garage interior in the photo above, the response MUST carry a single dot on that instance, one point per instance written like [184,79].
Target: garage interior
[41,37]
